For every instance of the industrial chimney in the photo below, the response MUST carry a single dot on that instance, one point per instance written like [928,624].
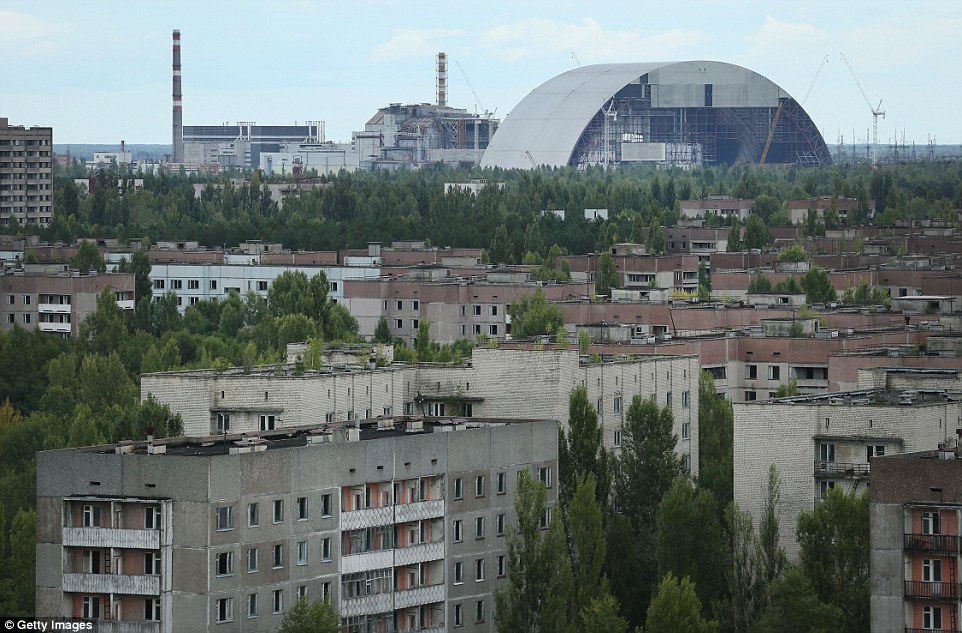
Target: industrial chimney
[442,79]
[178,132]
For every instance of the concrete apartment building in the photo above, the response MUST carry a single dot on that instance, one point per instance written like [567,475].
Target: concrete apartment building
[26,174]
[915,512]
[498,383]
[724,206]
[400,522]
[56,300]
[829,440]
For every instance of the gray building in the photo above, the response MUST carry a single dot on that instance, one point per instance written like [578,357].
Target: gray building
[241,145]
[26,175]
[400,522]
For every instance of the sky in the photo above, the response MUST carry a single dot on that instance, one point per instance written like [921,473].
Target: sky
[100,71]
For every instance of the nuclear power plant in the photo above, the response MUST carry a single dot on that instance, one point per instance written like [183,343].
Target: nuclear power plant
[178,140]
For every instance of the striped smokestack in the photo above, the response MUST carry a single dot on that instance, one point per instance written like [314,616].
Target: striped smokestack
[178,133]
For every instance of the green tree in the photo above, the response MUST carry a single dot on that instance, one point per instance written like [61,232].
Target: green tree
[533,316]
[607,275]
[165,315]
[656,238]
[532,239]
[23,562]
[586,543]
[789,388]
[316,617]
[795,607]
[502,248]
[765,207]
[675,608]
[104,330]
[759,284]
[422,343]
[537,596]
[88,258]
[294,293]
[600,615]
[382,333]
[773,559]
[834,542]
[735,244]
[715,441]
[818,287]
[757,235]
[581,451]
[746,588]
[793,253]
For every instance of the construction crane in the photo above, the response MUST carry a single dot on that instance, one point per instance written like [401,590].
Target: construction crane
[877,111]
[575,57]
[477,98]
[814,79]
[771,132]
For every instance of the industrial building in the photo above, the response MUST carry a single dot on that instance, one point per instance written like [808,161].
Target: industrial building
[674,113]
[241,145]
[26,174]
[400,522]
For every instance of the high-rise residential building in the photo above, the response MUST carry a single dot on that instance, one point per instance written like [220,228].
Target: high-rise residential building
[26,175]
[400,522]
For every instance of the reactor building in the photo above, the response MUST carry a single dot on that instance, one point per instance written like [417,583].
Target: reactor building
[673,113]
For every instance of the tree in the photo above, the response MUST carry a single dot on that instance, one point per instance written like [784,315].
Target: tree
[746,588]
[773,559]
[104,330]
[533,316]
[793,253]
[315,617]
[795,608]
[676,608]
[293,293]
[532,239]
[537,596]
[586,543]
[757,235]
[88,258]
[422,343]
[23,559]
[607,275]
[790,388]
[715,441]
[818,287]
[656,238]
[760,284]
[581,451]
[382,333]
[600,615]
[502,248]
[834,542]
[735,244]
[702,559]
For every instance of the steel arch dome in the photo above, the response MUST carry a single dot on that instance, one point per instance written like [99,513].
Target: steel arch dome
[715,111]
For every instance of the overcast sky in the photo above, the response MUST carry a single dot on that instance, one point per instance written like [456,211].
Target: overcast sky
[99,72]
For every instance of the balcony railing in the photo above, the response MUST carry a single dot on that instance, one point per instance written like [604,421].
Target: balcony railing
[932,590]
[112,583]
[838,470]
[111,537]
[908,630]
[933,543]
[117,626]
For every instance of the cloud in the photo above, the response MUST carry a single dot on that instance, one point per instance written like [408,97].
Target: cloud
[535,38]
[412,44]
[23,36]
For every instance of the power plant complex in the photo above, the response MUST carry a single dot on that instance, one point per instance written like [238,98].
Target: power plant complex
[669,113]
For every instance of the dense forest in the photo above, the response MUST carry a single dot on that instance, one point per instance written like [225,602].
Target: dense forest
[76,392]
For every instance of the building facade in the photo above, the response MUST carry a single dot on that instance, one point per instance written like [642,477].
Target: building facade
[26,174]
[400,523]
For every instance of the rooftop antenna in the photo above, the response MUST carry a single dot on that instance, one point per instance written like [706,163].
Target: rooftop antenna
[877,111]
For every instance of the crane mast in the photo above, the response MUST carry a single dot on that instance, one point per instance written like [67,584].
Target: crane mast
[877,111]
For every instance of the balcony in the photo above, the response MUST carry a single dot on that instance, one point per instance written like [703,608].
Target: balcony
[370,517]
[112,583]
[840,470]
[54,327]
[367,605]
[55,308]
[367,561]
[419,553]
[908,630]
[932,590]
[111,537]
[931,543]
[126,304]
[419,511]
[418,596]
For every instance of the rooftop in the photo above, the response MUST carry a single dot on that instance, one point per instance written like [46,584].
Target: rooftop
[880,397]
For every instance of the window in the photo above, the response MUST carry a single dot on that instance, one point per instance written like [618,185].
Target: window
[479,486]
[278,510]
[494,310]
[398,324]
[302,592]
[193,284]
[500,524]
[668,399]
[685,430]
[223,423]
[225,518]
[874,451]
[545,519]
[26,318]
[159,284]
[457,531]
[826,452]
[501,566]
[398,305]
[477,328]
[262,286]
[479,611]
[277,603]
[502,485]
[824,487]
[253,520]
[301,508]
[436,409]
[616,405]
[91,607]
[152,518]
[479,570]
[685,399]
[251,560]
[931,523]
[458,573]
[91,561]
[774,372]
[302,552]
[932,570]
[326,505]
[932,618]
[458,488]
[752,372]
[151,563]
[213,284]
[225,564]
[252,605]
[458,616]
[225,609]
[415,304]
[750,396]
[415,324]
[479,527]
[152,609]
[267,422]
[492,330]
[598,405]
[617,438]
[477,310]
[279,555]
[176,284]
[544,474]
[326,549]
